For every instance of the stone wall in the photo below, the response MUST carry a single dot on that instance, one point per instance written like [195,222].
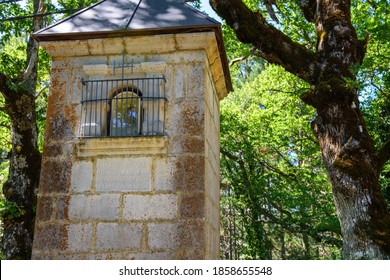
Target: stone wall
[134,197]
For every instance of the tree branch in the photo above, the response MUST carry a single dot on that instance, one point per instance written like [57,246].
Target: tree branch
[42,90]
[238,59]
[308,8]
[4,89]
[34,50]
[271,44]
[268,5]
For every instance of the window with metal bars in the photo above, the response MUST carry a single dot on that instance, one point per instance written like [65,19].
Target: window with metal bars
[123,107]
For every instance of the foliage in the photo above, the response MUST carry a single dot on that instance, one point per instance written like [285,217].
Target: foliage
[5,142]
[195,3]
[10,210]
[276,197]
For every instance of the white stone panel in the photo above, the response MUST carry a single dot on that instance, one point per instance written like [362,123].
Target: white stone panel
[123,174]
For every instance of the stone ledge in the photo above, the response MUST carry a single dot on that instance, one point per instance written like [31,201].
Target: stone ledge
[155,68]
[92,147]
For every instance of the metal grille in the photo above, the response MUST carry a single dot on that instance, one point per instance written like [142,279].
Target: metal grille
[123,107]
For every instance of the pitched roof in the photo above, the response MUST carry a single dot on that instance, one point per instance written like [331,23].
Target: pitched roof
[110,16]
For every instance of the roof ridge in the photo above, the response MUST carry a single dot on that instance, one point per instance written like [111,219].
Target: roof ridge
[132,16]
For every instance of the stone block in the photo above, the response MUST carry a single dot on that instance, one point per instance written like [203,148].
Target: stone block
[59,65]
[190,255]
[65,48]
[209,97]
[216,115]
[193,41]
[150,207]
[68,256]
[135,45]
[151,256]
[163,236]
[45,208]
[61,123]
[192,206]
[63,207]
[187,118]
[102,207]
[192,235]
[50,237]
[196,78]
[118,236]
[188,173]
[196,56]
[182,236]
[187,144]
[123,174]
[52,150]
[79,237]
[212,183]
[95,46]
[56,177]
[179,83]
[162,175]
[82,172]
[208,123]
[106,256]
[113,45]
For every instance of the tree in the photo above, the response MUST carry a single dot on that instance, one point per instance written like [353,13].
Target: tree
[19,90]
[276,202]
[329,66]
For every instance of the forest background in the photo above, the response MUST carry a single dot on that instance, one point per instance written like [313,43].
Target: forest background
[276,199]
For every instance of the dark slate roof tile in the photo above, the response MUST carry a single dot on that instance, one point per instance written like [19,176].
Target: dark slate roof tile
[119,15]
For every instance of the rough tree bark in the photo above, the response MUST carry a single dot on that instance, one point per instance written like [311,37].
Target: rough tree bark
[352,163]
[22,183]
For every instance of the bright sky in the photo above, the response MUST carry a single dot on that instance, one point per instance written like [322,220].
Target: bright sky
[206,7]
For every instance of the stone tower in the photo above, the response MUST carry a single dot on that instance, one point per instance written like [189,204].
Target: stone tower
[130,166]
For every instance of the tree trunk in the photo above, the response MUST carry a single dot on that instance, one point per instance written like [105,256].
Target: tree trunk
[353,171]
[346,146]
[25,159]
[352,164]
[23,178]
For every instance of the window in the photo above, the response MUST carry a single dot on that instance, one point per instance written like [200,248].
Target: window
[123,107]
[125,114]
